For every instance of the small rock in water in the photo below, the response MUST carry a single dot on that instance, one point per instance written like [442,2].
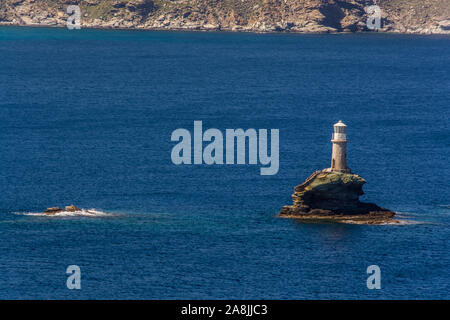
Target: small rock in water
[54,210]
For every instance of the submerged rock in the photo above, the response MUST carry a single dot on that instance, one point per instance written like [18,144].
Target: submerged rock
[331,195]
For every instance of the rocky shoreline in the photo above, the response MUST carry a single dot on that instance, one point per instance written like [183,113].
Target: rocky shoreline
[261,16]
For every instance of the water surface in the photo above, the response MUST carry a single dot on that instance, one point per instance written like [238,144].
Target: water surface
[86,118]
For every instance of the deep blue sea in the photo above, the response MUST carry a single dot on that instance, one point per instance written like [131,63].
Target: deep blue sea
[86,117]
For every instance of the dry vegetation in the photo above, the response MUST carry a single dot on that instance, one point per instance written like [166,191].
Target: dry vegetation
[410,16]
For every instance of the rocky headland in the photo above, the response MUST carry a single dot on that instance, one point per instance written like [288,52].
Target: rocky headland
[303,16]
[334,196]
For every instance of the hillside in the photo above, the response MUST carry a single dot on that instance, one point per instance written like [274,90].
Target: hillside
[406,16]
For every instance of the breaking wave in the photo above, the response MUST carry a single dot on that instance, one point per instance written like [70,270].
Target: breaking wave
[400,219]
[80,213]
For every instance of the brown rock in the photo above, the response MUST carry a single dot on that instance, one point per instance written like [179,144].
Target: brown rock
[53,210]
[72,208]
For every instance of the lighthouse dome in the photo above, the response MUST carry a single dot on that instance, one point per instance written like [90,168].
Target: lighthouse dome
[340,124]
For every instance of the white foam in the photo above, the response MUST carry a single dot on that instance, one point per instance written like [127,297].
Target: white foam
[80,213]
[400,223]
[409,218]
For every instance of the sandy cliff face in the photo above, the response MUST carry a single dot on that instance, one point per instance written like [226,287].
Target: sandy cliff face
[408,16]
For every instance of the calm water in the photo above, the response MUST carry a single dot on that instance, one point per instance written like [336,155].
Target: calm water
[86,118]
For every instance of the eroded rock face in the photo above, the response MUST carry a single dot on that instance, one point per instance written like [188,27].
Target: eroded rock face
[334,196]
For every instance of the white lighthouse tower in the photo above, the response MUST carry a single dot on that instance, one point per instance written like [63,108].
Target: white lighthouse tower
[339,152]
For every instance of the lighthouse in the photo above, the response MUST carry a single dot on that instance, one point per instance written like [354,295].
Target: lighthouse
[339,152]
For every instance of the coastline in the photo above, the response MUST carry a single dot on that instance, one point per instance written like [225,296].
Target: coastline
[253,16]
[208,30]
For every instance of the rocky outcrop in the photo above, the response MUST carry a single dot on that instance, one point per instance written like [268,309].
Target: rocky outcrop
[329,195]
[316,16]
[55,210]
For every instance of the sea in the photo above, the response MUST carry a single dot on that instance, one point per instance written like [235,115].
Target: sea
[86,118]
